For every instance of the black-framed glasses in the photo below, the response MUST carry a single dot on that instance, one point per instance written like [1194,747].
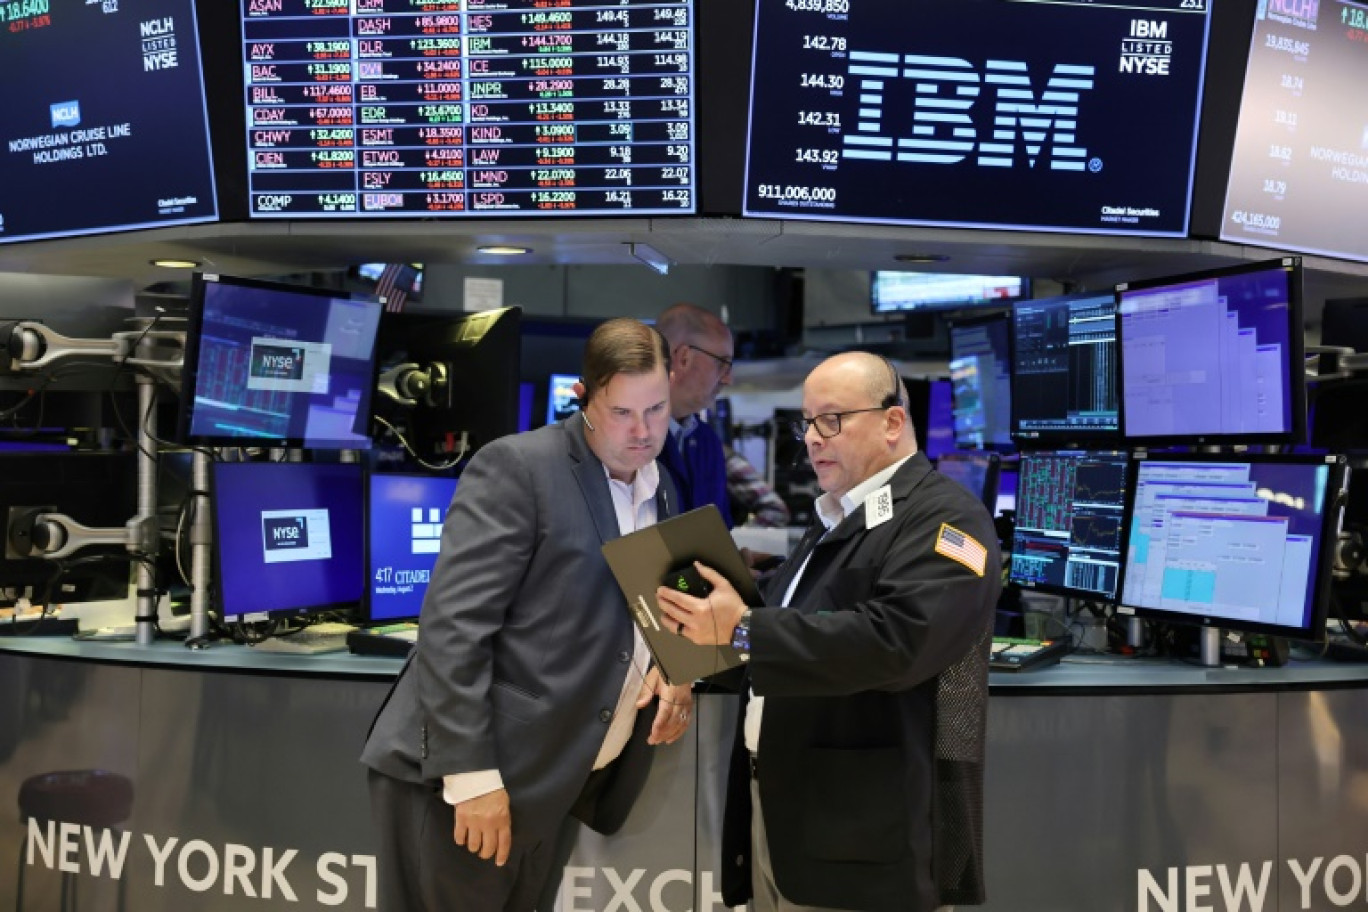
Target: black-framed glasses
[829,424]
[725,362]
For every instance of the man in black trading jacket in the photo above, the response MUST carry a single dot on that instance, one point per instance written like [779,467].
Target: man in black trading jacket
[857,777]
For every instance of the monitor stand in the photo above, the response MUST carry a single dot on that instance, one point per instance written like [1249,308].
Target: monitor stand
[1209,647]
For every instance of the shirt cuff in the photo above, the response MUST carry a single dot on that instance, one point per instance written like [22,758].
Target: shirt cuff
[458,787]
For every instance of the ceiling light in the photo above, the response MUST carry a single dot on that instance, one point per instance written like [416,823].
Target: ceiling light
[503,250]
[176,264]
[651,257]
[921,258]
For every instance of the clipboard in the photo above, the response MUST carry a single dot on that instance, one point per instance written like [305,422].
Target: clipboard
[642,560]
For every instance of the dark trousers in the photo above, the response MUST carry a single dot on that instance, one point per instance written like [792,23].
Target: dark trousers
[421,869]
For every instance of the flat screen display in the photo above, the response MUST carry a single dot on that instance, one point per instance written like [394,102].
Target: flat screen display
[288,537]
[1068,533]
[1214,355]
[895,292]
[404,516]
[1055,116]
[980,382]
[1234,542]
[940,420]
[1299,172]
[1064,371]
[104,125]
[280,365]
[976,470]
[487,108]
[561,401]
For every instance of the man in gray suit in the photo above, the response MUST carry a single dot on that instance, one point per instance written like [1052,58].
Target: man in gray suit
[519,706]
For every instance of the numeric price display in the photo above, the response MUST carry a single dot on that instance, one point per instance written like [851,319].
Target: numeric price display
[1299,171]
[469,107]
[1064,115]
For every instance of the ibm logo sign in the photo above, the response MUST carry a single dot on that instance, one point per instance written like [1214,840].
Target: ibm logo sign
[947,88]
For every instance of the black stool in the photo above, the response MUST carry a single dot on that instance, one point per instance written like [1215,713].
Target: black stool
[95,798]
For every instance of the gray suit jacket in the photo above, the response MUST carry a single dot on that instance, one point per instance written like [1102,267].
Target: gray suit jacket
[525,642]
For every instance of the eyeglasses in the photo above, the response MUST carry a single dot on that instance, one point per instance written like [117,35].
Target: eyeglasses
[725,362]
[828,425]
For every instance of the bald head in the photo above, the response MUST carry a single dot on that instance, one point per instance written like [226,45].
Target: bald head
[873,430]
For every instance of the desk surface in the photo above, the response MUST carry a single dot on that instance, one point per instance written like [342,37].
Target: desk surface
[1076,674]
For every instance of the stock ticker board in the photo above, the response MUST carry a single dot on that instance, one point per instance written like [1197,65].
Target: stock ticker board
[458,108]
[1065,115]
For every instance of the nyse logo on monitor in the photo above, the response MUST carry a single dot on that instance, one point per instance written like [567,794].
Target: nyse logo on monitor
[295,535]
[289,367]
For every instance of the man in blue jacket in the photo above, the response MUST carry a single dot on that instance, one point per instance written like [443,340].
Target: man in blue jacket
[700,366]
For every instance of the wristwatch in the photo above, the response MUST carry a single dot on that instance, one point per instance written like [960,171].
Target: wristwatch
[741,636]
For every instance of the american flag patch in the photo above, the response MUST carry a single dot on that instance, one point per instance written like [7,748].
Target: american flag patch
[958,546]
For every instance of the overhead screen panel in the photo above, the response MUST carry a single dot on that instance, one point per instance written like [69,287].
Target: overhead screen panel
[458,108]
[1299,172]
[1055,116]
[104,125]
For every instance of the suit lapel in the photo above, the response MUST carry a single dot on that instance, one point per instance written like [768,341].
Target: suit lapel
[592,480]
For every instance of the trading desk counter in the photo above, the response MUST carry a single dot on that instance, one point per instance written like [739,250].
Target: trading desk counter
[227,779]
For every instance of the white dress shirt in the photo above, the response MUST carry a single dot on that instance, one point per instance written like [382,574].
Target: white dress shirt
[830,510]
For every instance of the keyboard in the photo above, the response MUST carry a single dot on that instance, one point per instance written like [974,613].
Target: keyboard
[1012,654]
[390,640]
[316,638]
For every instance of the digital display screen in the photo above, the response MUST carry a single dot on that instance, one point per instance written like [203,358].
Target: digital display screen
[277,364]
[1069,522]
[975,470]
[1055,116]
[469,107]
[403,535]
[287,537]
[1214,355]
[104,125]
[1299,173]
[561,401]
[980,383]
[892,292]
[1064,373]
[1232,542]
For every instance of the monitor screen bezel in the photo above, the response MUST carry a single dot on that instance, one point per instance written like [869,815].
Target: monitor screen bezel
[1059,439]
[991,477]
[216,468]
[367,610]
[1003,316]
[185,416]
[1335,497]
[1072,591]
[1296,373]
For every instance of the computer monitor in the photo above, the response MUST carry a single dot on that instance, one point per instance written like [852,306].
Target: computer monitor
[98,490]
[1069,512]
[459,378]
[1214,357]
[270,364]
[404,515]
[977,470]
[561,401]
[1238,541]
[289,538]
[940,420]
[901,292]
[1064,382]
[980,378]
